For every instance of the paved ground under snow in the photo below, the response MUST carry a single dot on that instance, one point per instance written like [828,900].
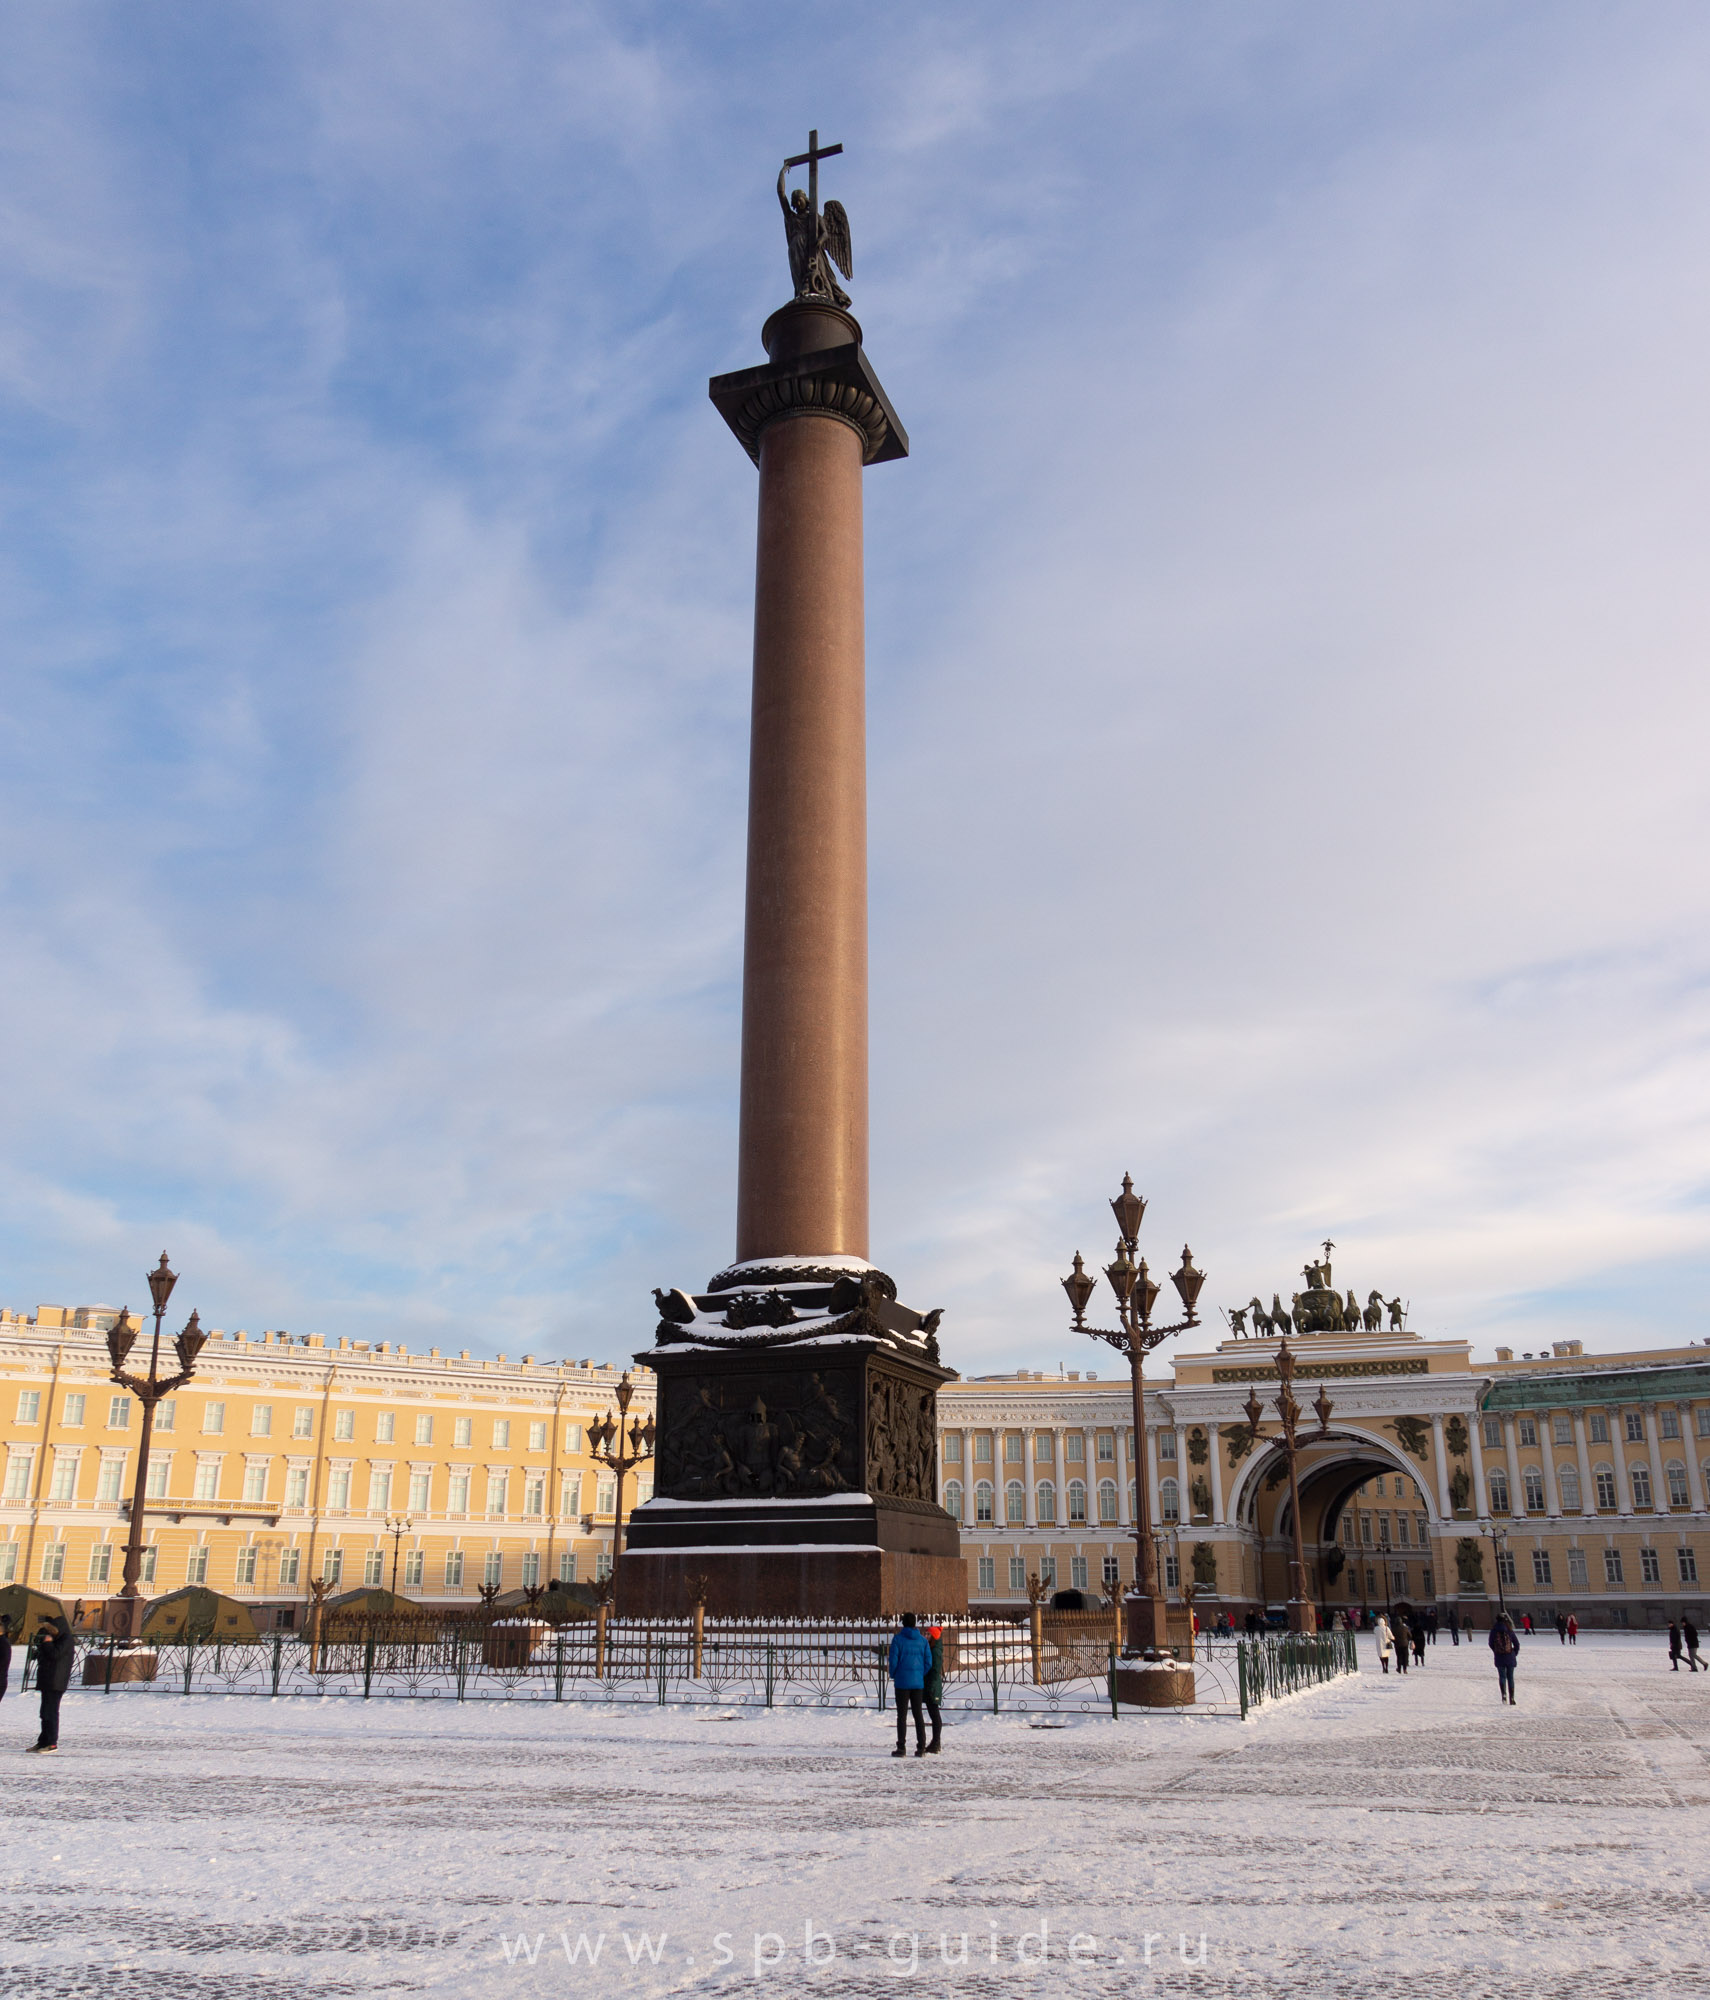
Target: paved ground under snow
[1355,1840]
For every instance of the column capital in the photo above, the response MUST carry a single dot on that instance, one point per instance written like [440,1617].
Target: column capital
[817,370]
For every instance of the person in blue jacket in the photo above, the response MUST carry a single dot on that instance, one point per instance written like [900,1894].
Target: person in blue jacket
[910,1663]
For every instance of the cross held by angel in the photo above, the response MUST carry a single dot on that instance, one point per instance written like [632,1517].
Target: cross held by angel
[816,240]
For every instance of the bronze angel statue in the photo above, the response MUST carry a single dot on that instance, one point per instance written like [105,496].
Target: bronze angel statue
[817,241]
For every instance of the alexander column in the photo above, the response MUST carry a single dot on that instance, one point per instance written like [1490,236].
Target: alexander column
[795,1391]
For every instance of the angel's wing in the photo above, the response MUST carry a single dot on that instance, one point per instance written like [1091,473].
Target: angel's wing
[837,238]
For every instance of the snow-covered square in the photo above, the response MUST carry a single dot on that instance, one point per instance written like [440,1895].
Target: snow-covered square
[1376,1834]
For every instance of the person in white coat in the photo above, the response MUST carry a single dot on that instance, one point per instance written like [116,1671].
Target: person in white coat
[1385,1640]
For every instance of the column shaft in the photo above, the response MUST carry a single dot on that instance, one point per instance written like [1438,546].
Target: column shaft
[802,1175]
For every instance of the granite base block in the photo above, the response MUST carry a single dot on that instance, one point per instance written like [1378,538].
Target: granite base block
[793,1583]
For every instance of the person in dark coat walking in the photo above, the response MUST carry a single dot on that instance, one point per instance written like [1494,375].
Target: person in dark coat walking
[5,1656]
[1505,1650]
[934,1689]
[55,1649]
[1689,1632]
[1416,1631]
[910,1663]
[1673,1647]
[1561,1627]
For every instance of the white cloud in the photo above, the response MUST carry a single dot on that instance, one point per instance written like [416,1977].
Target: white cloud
[1285,647]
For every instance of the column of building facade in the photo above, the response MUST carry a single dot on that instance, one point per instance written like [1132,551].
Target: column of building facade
[1445,1507]
[1125,1471]
[1511,1449]
[1618,1449]
[1216,1441]
[1690,1444]
[1547,1457]
[1481,1495]
[1028,1472]
[1659,1484]
[1060,1469]
[1152,1475]
[1582,1451]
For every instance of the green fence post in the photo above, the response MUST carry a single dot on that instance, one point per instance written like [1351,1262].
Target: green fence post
[278,1652]
[771,1667]
[1113,1714]
[367,1665]
[558,1668]
[189,1656]
[111,1643]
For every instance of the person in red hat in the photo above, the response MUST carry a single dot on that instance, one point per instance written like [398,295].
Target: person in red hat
[934,1689]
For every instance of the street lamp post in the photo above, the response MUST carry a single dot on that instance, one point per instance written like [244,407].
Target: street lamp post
[397,1529]
[123,1618]
[1498,1549]
[1302,1613]
[623,1447]
[1134,1338]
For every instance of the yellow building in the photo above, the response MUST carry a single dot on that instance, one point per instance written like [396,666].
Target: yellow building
[288,1458]
[1558,1482]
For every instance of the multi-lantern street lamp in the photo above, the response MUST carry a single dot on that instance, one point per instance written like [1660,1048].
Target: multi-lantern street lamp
[623,1447]
[1134,1337]
[124,1612]
[1302,1613]
[397,1526]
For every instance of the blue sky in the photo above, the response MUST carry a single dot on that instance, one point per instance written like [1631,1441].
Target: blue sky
[1286,652]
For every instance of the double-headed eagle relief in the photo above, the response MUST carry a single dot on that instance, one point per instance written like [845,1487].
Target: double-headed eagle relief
[816,240]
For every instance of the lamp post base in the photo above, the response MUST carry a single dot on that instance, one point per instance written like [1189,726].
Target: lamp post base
[1302,1615]
[121,1617]
[1146,1624]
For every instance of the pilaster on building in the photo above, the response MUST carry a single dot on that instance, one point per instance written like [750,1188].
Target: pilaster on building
[1553,1481]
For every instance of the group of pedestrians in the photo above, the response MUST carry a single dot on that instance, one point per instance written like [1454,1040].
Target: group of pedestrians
[1395,1641]
[917,1675]
[1567,1629]
[1683,1638]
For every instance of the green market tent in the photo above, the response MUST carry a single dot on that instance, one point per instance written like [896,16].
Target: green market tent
[200,1614]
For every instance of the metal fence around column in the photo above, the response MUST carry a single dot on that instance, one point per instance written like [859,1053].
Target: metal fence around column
[991,1665]
[1270,1666]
